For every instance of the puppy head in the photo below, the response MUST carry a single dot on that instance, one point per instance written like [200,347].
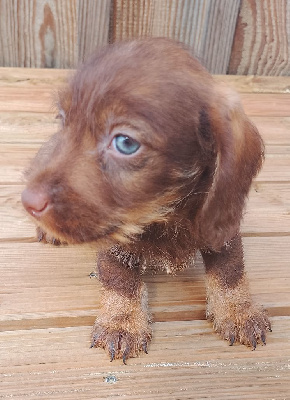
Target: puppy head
[140,142]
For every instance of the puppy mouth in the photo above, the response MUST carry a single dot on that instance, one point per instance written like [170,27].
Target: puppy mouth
[114,233]
[79,236]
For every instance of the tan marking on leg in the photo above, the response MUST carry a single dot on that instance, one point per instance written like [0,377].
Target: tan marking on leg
[235,317]
[123,327]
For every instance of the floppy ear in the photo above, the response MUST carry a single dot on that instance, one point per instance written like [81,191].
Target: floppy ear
[240,153]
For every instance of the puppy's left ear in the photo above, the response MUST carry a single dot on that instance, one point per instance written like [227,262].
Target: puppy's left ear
[240,153]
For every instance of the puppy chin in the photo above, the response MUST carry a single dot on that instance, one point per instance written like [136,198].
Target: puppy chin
[57,235]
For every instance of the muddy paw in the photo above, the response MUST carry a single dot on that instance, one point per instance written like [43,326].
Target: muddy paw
[46,238]
[247,324]
[120,343]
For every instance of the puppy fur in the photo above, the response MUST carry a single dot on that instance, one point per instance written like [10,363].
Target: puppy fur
[182,190]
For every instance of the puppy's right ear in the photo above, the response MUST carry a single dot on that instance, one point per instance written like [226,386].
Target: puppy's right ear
[239,156]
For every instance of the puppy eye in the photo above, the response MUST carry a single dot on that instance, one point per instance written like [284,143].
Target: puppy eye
[125,144]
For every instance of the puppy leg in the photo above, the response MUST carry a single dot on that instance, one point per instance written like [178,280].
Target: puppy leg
[123,327]
[229,304]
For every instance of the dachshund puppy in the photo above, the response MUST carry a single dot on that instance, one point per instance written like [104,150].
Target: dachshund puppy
[153,161]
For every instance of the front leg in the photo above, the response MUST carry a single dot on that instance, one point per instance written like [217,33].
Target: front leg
[235,317]
[123,326]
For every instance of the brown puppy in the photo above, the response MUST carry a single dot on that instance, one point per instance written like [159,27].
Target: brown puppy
[153,161]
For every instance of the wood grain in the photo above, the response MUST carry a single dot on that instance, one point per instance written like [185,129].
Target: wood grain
[38,34]
[261,44]
[258,84]
[276,101]
[60,366]
[93,25]
[53,78]
[48,302]
[207,26]
[265,104]
[275,130]
[227,38]
[27,127]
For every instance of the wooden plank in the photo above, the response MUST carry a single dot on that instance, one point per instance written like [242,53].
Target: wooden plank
[261,42]
[37,88]
[15,223]
[38,34]
[268,209]
[166,294]
[256,223]
[65,368]
[257,84]
[268,105]
[21,154]
[33,77]
[274,130]
[207,26]
[93,26]
[68,297]
[275,169]
[40,77]
[19,77]
[40,99]
[278,150]
[265,196]
[25,128]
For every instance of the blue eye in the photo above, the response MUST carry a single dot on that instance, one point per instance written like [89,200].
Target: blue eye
[125,144]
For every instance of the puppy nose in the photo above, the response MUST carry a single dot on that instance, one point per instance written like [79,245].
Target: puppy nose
[35,202]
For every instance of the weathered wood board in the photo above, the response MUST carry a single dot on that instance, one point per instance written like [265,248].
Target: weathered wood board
[262,39]
[229,36]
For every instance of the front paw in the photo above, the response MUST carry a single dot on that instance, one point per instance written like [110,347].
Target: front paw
[245,323]
[44,237]
[123,327]
[120,343]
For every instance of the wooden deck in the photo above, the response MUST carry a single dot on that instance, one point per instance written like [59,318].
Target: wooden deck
[48,303]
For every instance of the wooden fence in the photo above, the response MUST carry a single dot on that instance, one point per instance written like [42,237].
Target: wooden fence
[229,36]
